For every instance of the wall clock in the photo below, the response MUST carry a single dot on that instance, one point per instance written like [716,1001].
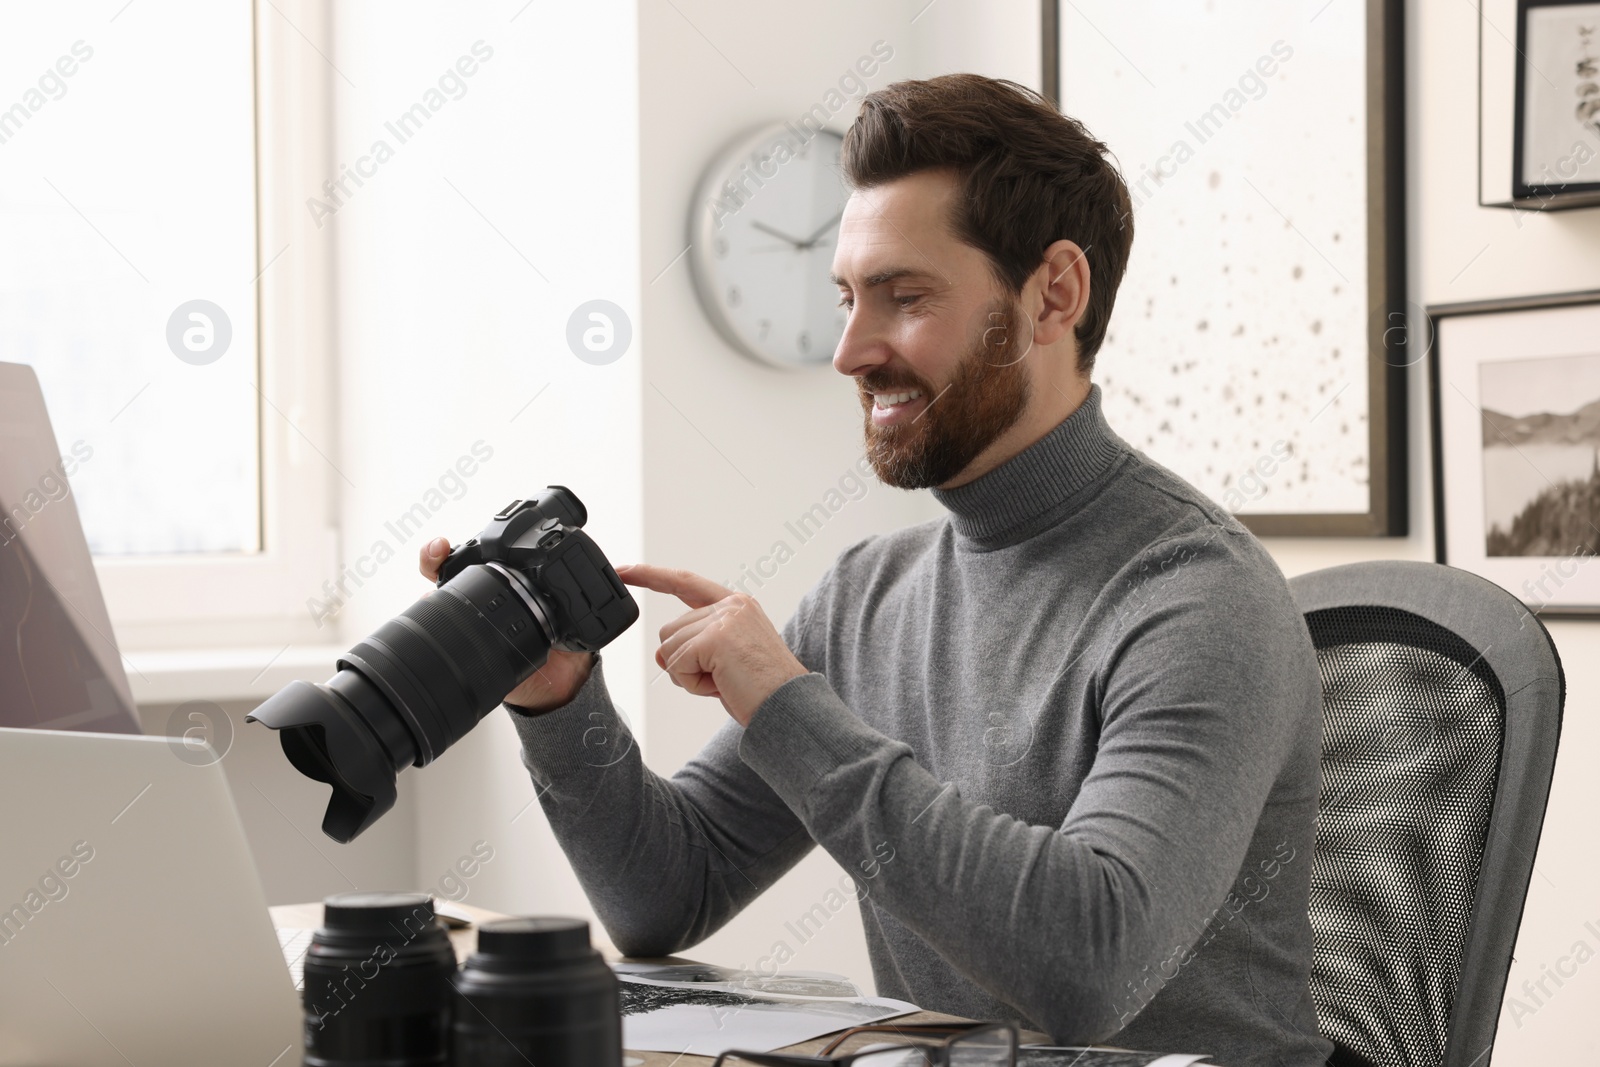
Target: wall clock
[762,231]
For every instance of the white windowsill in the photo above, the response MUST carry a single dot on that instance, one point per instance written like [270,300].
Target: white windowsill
[223,674]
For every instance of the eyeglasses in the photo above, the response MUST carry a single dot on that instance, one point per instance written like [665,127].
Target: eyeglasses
[976,1044]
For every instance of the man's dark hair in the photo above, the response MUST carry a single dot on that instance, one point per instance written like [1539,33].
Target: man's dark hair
[1029,176]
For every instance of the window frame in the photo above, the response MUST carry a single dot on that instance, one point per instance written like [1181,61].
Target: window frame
[211,600]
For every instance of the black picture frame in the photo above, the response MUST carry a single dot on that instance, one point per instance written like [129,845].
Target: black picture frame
[1554,195]
[1443,476]
[1391,319]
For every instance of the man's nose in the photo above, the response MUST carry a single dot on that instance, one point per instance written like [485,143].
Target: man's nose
[860,348]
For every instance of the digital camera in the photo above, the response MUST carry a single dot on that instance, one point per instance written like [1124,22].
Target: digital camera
[530,582]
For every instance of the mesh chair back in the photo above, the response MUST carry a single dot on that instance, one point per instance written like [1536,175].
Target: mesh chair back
[1441,710]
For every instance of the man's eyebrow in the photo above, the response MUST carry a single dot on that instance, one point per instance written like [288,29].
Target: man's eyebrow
[883,276]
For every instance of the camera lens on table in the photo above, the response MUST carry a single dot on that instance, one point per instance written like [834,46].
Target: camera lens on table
[377,983]
[536,991]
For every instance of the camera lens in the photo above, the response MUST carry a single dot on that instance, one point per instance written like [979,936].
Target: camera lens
[377,983]
[409,691]
[537,992]
[460,649]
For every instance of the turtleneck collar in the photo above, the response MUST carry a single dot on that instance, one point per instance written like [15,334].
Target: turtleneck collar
[1036,487]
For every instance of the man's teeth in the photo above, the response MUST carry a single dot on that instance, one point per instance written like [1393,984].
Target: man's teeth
[884,400]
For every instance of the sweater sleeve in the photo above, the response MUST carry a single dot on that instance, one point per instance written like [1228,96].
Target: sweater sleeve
[1202,686]
[664,861]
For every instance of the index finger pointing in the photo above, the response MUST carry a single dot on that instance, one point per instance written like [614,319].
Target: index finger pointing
[687,586]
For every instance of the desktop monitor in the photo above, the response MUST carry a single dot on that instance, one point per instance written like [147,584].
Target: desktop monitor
[59,664]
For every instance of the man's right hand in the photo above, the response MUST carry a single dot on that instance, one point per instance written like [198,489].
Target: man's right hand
[551,686]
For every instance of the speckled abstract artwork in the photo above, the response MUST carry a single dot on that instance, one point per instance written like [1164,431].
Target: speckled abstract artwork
[1236,354]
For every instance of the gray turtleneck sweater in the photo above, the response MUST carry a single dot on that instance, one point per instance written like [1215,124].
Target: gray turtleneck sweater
[1065,739]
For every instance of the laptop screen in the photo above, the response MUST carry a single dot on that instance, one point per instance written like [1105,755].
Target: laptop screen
[59,665]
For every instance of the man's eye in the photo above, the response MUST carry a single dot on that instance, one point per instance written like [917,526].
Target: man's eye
[846,302]
[907,301]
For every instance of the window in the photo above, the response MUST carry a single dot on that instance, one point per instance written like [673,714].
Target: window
[128,191]
[140,244]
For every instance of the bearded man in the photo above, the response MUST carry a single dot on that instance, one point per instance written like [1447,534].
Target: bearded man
[1068,733]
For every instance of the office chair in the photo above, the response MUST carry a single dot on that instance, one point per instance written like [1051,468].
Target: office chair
[1442,698]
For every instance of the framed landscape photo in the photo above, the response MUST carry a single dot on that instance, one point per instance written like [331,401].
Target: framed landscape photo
[1515,393]
[1557,137]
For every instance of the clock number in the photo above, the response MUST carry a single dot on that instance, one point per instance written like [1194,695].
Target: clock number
[761,329]
[721,247]
[735,298]
[804,341]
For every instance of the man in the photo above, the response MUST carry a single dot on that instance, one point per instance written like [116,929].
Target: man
[1069,731]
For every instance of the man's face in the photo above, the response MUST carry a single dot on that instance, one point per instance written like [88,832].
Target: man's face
[927,318]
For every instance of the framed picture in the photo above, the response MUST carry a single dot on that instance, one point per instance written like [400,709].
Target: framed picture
[1556,145]
[1515,394]
[1259,343]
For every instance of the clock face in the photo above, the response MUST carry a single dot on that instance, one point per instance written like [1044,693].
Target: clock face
[764,226]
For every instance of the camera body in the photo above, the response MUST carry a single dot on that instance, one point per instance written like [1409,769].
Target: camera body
[540,548]
[531,581]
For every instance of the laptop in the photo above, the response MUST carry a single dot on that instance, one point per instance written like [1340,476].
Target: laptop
[133,925]
[59,665]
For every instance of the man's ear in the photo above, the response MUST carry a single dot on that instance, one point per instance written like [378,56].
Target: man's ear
[1063,282]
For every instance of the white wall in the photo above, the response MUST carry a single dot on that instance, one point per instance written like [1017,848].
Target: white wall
[460,262]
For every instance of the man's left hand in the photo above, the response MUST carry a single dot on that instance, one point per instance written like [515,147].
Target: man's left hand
[724,646]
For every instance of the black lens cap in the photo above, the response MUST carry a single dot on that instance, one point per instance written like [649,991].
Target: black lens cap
[535,940]
[372,912]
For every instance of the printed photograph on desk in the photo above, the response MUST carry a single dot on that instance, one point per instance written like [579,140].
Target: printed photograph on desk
[792,983]
[705,1010]
[1063,1056]
[1516,405]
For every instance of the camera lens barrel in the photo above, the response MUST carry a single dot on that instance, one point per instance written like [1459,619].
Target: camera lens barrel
[377,983]
[536,991]
[448,659]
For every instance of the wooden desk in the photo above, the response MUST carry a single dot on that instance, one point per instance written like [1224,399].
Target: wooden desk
[465,942]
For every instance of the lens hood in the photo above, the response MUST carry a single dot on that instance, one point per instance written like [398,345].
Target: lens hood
[327,742]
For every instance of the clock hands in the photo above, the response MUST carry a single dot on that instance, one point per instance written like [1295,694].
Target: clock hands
[824,228]
[768,229]
[809,242]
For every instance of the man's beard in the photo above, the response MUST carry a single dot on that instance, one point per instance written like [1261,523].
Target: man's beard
[986,396]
